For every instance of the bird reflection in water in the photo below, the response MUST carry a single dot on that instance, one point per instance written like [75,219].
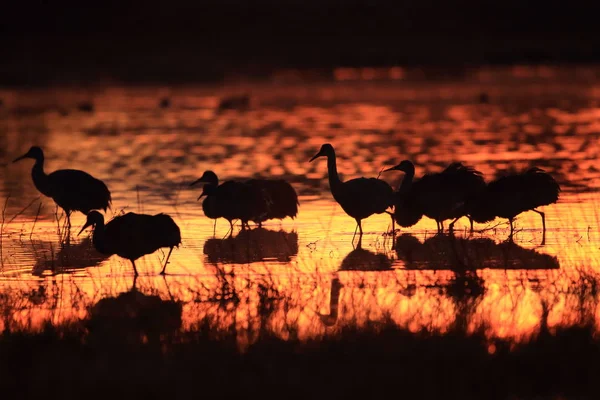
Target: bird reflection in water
[358,259]
[68,259]
[252,245]
[361,259]
[449,252]
[133,317]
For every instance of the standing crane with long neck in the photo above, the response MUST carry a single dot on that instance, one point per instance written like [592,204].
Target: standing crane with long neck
[359,197]
[71,189]
[440,196]
[133,235]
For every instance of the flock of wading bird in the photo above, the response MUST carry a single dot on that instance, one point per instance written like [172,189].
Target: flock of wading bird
[456,192]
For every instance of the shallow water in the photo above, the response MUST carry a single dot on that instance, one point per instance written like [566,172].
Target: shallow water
[307,270]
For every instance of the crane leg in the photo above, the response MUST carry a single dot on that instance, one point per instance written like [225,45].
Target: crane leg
[68,230]
[215,228]
[393,222]
[451,226]
[166,262]
[471,221]
[135,273]
[543,225]
[359,227]
[230,232]
[441,226]
[512,229]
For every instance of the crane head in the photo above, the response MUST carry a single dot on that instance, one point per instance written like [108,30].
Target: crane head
[405,166]
[34,152]
[207,177]
[325,151]
[93,218]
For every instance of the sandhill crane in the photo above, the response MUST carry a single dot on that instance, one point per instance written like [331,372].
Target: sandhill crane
[132,235]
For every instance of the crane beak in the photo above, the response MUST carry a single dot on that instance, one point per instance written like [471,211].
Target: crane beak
[393,169]
[196,181]
[20,158]
[315,156]
[85,226]
[202,195]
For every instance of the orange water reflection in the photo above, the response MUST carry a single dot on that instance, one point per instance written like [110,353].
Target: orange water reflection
[303,277]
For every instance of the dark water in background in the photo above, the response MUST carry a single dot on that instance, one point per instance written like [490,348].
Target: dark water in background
[147,155]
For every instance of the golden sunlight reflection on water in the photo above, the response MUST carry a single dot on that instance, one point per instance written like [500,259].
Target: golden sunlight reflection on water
[306,271]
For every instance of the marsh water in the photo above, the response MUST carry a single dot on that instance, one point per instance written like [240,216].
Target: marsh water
[307,271]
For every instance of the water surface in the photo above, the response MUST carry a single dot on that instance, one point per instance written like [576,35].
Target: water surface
[307,270]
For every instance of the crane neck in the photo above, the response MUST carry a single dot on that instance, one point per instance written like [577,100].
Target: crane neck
[407,181]
[334,179]
[40,179]
[98,238]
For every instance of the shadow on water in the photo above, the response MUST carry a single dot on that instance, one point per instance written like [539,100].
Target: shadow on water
[134,317]
[70,257]
[443,252]
[252,245]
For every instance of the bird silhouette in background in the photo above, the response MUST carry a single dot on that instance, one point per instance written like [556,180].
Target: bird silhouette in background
[440,196]
[231,200]
[359,197]
[511,195]
[239,102]
[71,189]
[280,196]
[132,235]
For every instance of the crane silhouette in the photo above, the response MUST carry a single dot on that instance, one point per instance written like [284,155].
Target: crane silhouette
[132,235]
[359,197]
[440,196]
[71,189]
[231,200]
[281,198]
[511,195]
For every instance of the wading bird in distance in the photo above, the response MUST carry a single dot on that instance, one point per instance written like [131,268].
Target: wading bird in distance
[230,200]
[358,197]
[440,196]
[132,235]
[256,200]
[71,189]
[511,195]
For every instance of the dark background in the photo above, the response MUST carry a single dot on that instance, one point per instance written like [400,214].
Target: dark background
[176,41]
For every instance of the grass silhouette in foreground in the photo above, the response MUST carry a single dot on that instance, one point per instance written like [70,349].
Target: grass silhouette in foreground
[73,359]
